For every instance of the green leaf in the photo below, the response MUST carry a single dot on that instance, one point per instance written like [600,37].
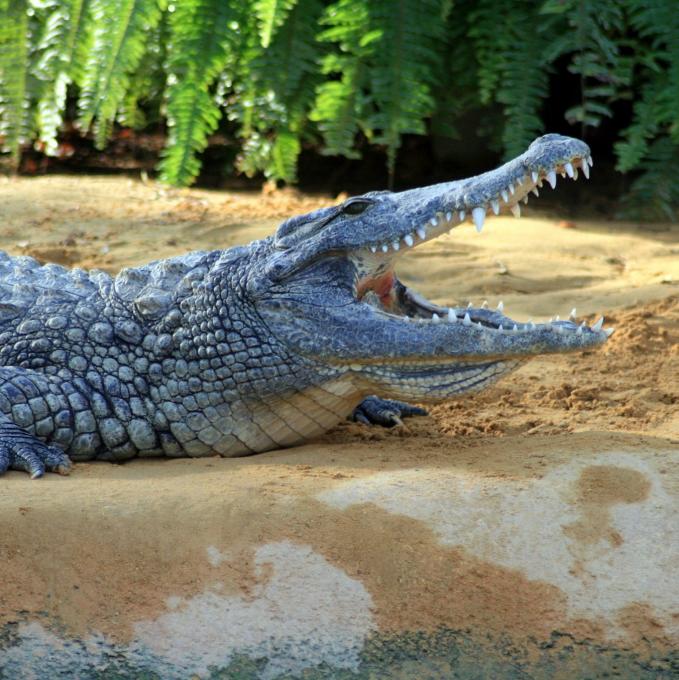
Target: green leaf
[271,15]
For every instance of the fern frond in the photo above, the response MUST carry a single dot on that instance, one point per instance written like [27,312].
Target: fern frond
[62,55]
[201,31]
[271,15]
[275,92]
[119,42]
[655,194]
[340,106]
[14,73]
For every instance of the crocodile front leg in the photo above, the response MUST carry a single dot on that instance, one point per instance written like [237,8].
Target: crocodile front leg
[37,421]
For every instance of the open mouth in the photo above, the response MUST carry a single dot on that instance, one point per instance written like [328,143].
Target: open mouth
[376,282]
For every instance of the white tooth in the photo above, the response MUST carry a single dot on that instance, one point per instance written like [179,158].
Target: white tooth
[585,169]
[590,161]
[408,238]
[500,327]
[467,319]
[598,325]
[435,318]
[556,318]
[373,249]
[532,324]
[479,324]
[609,332]
[421,233]
[461,215]
[573,314]
[569,169]
[484,305]
[511,188]
[515,327]
[495,205]
[500,306]
[451,316]
[535,191]
[525,200]
[469,305]
[479,215]
[579,331]
[551,319]
[551,178]
[534,176]
[396,245]
[385,248]
[449,216]
[563,174]
[434,222]
[505,195]
[575,174]
[516,210]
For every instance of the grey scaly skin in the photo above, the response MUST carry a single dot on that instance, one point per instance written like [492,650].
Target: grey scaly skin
[263,346]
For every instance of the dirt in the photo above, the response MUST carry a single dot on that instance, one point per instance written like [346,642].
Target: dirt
[551,410]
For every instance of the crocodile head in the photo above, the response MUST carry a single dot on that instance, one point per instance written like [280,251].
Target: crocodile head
[329,290]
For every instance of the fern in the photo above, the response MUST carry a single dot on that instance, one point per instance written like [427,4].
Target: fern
[271,15]
[15,125]
[276,88]
[654,195]
[200,31]
[119,42]
[62,53]
[341,104]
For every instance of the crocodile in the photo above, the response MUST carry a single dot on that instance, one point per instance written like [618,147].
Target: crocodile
[262,346]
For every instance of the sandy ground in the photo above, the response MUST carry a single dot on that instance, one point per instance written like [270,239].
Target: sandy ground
[141,530]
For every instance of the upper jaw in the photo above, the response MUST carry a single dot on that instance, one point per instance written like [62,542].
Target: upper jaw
[437,209]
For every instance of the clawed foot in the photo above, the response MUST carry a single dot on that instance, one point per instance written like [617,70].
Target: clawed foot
[20,450]
[385,412]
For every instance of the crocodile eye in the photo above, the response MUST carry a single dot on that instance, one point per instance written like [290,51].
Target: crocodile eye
[355,207]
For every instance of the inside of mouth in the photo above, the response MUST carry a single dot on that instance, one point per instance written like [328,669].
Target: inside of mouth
[377,284]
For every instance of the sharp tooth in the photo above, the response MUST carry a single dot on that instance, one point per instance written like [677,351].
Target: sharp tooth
[609,332]
[563,174]
[500,306]
[495,205]
[451,316]
[534,176]
[598,325]
[435,318]
[500,327]
[434,222]
[569,169]
[484,305]
[579,331]
[516,210]
[449,216]
[373,249]
[556,318]
[590,161]
[408,238]
[511,188]
[479,215]
[421,233]
[551,319]
[585,169]
[575,174]
[551,178]
[532,324]
[515,327]
[396,245]
[479,324]
[461,215]
[469,305]
[467,319]
[525,200]
[385,248]
[505,195]
[535,191]
[573,314]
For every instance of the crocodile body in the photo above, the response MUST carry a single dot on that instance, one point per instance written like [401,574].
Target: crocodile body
[261,346]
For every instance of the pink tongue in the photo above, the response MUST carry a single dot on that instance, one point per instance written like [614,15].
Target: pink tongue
[382,285]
